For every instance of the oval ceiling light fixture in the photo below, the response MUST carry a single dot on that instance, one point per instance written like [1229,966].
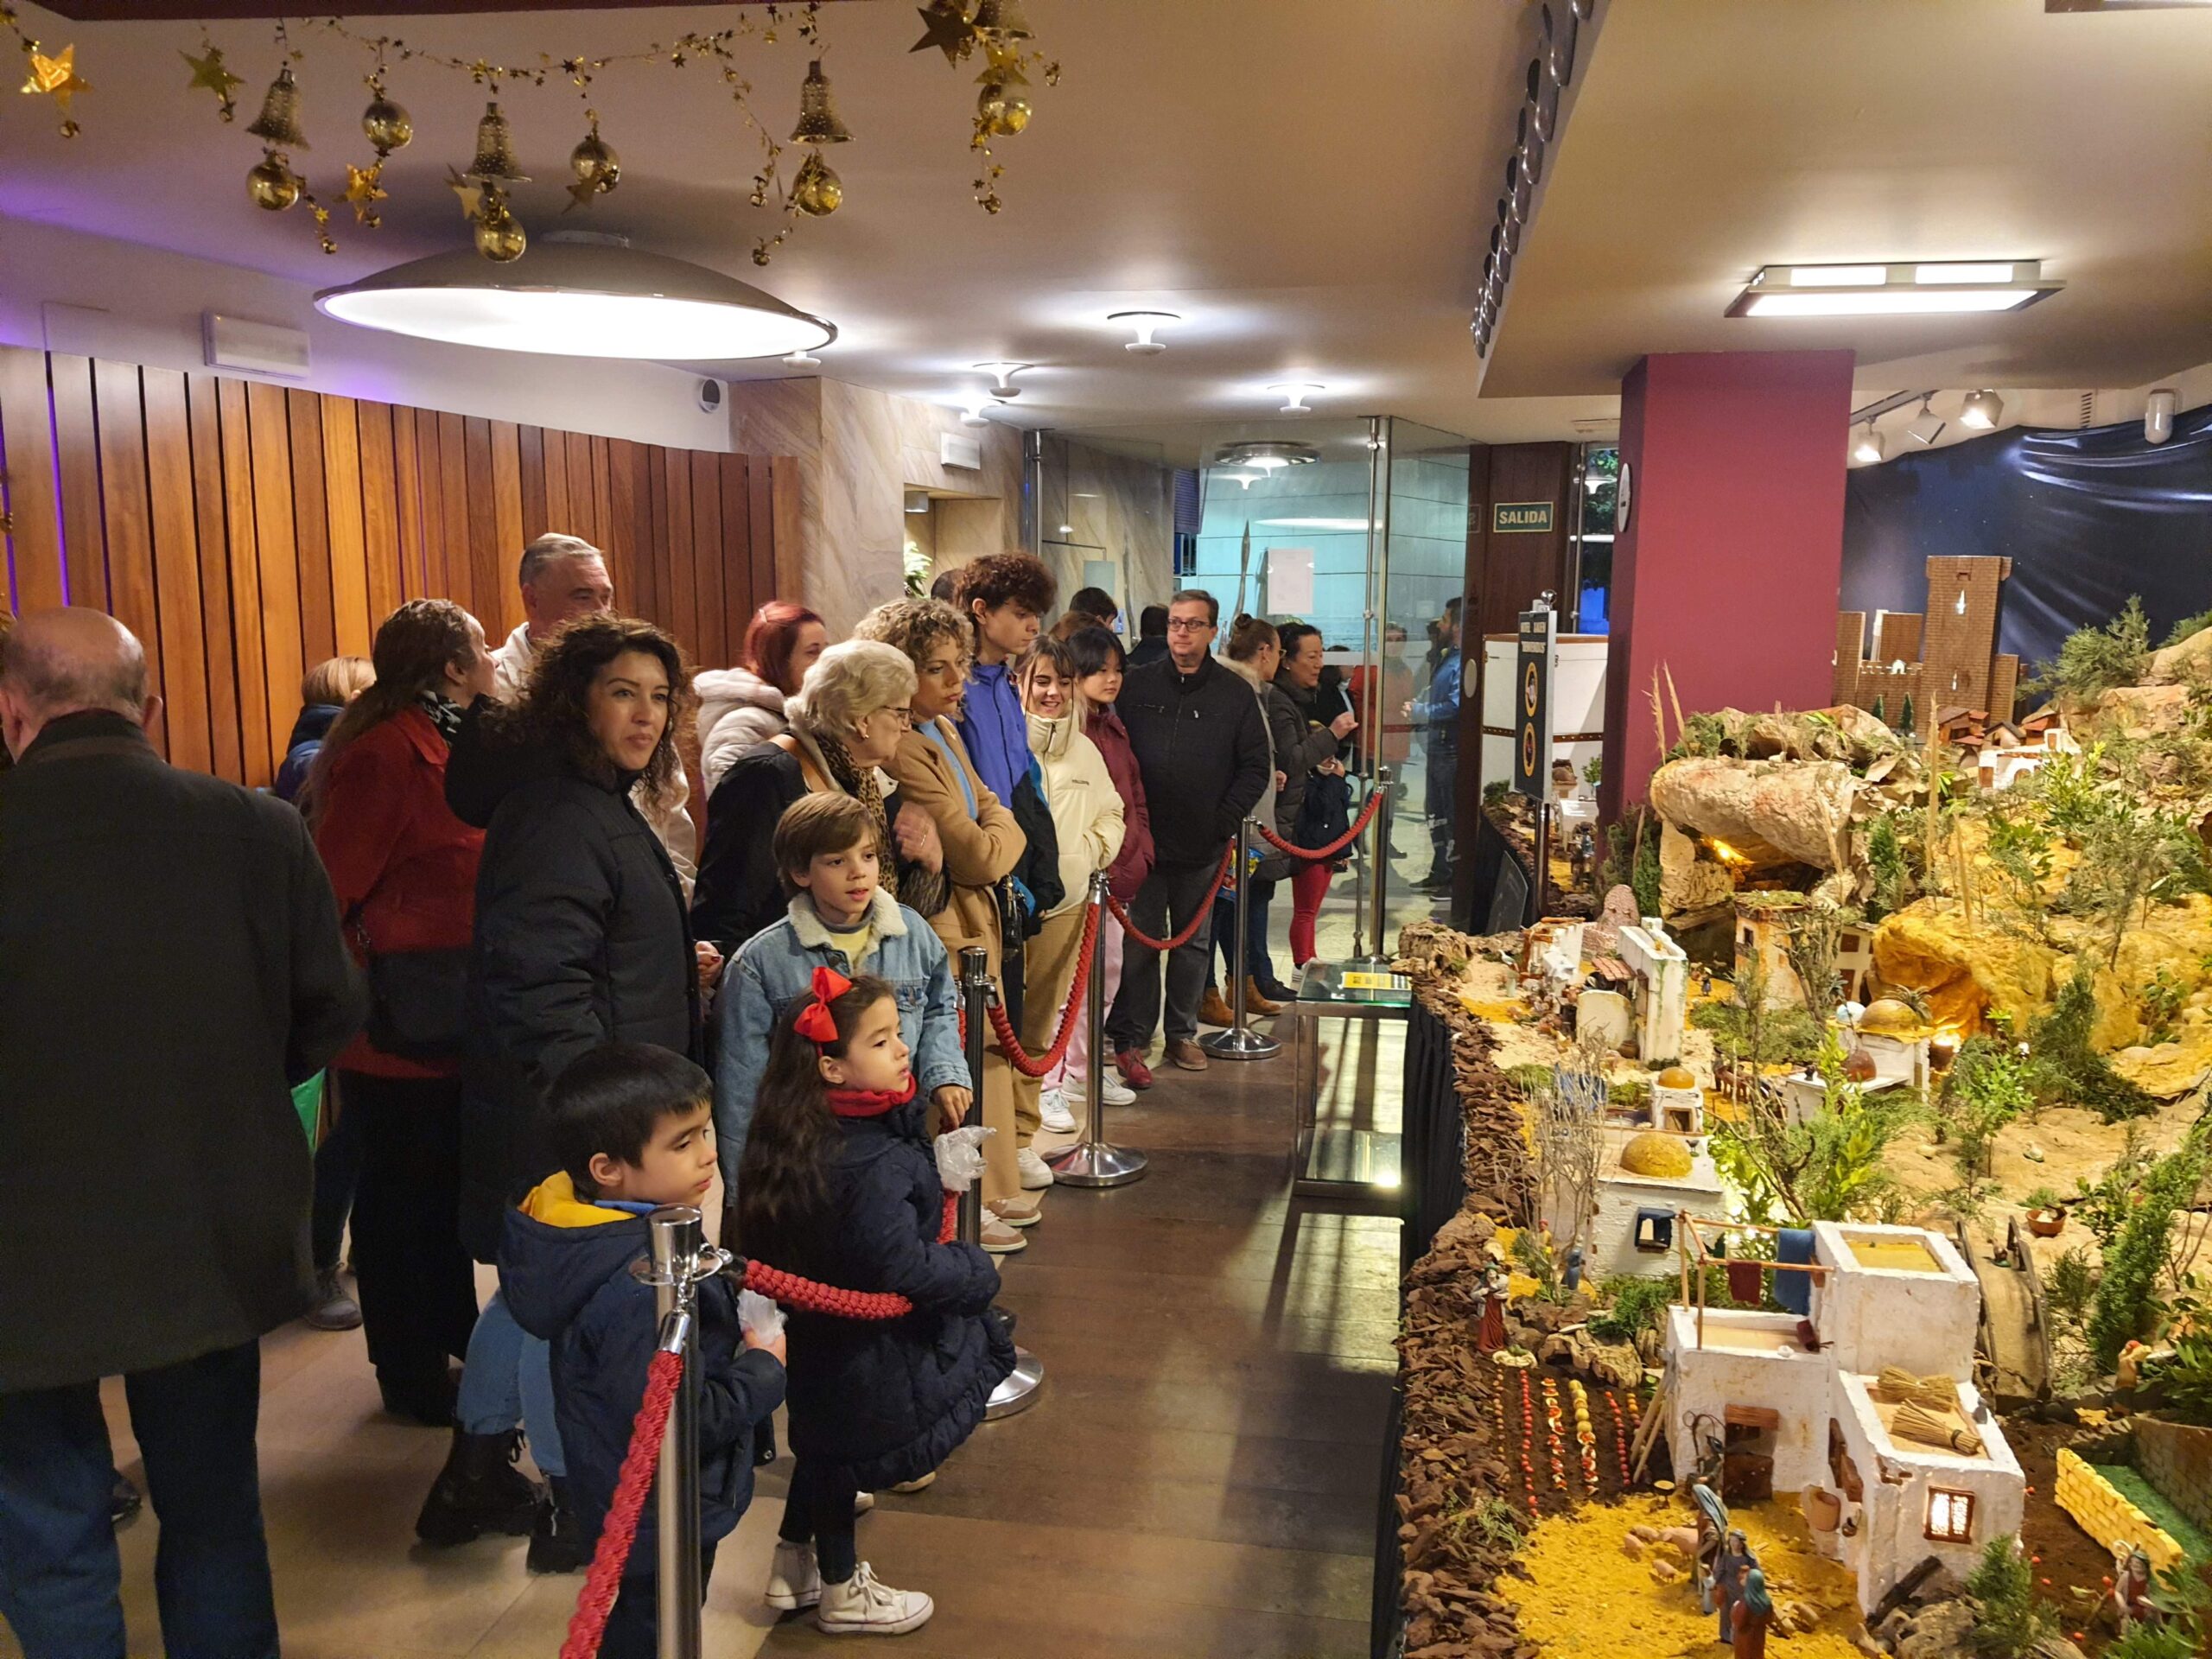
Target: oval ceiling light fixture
[1145,322]
[1983,411]
[578,296]
[1004,391]
[1266,455]
[1294,393]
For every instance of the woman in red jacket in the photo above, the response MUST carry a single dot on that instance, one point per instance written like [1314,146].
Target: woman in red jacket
[404,871]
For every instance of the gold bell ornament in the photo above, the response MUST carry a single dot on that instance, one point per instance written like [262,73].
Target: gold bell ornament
[278,124]
[817,191]
[388,125]
[1004,110]
[499,235]
[1003,18]
[273,185]
[817,115]
[495,162]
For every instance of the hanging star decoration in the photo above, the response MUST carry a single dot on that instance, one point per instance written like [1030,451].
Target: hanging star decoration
[363,191]
[948,30]
[208,71]
[57,78]
[467,191]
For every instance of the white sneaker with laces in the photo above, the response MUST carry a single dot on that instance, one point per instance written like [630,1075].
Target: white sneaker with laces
[794,1579]
[863,1607]
[1115,1092]
[1052,1105]
[1036,1173]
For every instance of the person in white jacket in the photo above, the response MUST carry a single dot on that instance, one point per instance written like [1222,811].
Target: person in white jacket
[741,708]
[1087,817]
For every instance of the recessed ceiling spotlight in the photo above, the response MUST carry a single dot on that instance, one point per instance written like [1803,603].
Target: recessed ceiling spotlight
[1926,426]
[802,359]
[1983,411]
[1891,291]
[1005,391]
[1294,392]
[1144,323]
[1266,454]
[1868,448]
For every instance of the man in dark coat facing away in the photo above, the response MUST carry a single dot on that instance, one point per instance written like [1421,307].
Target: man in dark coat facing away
[171,965]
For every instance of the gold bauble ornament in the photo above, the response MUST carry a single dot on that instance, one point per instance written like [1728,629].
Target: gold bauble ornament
[278,123]
[495,162]
[817,115]
[817,192]
[389,126]
[273,185]
[499,236]
[596,163]
[1003,111]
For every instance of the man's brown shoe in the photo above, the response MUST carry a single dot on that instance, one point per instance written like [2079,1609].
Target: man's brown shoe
[1256,1004]
[1215,1012]
[1187,1054]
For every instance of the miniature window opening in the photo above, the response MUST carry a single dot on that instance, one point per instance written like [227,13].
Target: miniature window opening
[1950,1516]
[1679,1120]
[1655,1231]
[1841,1469]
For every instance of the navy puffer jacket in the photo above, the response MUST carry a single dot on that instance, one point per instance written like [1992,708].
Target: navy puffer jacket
[887,1401]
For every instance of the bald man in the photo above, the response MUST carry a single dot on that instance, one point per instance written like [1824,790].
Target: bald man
[170,966]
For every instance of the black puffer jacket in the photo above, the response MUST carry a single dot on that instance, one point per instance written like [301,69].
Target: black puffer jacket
[887,1401]
[1303,741]
[581,939]
[1203,749]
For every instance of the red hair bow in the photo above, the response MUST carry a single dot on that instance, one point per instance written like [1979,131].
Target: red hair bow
[815,1022]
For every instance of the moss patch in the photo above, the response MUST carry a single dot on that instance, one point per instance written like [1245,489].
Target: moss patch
[2131,1485]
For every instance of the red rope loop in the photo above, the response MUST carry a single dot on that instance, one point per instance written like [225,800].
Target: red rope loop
[1191,928]
[1366,813]
[604,1582]
[1010,1043]
[810,1297]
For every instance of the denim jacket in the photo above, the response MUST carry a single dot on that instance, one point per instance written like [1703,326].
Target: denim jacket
[776,969]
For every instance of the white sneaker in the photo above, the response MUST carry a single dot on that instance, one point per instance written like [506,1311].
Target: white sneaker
[1053,1105]
[862,1606]
[863,1502]
[1115,1092]
[1036,1173]
[794,1579]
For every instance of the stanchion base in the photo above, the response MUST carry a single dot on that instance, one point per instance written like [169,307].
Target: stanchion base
[1094,1163]
[1233,1045]
[1020,1390]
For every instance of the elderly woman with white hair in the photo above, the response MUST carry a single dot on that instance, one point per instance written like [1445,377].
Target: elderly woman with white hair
[847,717]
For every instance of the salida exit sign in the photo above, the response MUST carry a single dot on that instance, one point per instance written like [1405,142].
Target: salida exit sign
[1520,518]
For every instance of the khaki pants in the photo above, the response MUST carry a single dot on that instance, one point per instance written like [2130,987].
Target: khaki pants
[1001,1172]
[1048,968]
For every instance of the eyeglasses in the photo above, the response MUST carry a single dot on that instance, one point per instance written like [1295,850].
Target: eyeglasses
[1188,625]
[904,716]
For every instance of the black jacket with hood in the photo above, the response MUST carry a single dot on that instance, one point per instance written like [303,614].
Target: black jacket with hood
[1202,745]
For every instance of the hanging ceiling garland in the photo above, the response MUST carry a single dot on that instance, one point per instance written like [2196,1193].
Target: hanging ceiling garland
[964,30]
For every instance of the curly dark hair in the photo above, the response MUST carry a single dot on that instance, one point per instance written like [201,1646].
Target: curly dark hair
[556,704]
[916,627]
[1005,579]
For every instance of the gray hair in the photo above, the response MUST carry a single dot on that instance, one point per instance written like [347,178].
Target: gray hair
[849,683]
[67,661]
[552,548]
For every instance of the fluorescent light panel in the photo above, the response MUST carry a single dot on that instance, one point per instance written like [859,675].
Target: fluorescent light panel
[1937,288]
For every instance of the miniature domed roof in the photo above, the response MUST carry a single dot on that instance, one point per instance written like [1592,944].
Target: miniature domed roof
[1887,1017]
[1676,1077]
[1660,1157]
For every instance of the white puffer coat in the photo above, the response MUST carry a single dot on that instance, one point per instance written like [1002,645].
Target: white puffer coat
[1087,813]
[738,711]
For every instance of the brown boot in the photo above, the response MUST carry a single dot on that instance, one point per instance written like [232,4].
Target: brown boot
[1215,1012]
[1254,1003]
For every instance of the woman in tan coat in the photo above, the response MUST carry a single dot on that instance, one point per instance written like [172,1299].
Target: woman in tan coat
[982,845]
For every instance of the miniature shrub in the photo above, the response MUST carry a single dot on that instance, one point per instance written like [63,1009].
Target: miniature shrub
[2067,1069]
[2145,1641]
[2012,1620]
[2122,1309]
[2188,627]
[2187,1379]
[2162,999]
[1885,860]
[2071,1285]
[2093,660]
[2043,1198]
[1988,1087]
[1633,1305]
[1494,791]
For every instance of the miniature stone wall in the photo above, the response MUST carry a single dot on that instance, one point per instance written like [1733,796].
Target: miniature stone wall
[2107,1517]
[2177,1460]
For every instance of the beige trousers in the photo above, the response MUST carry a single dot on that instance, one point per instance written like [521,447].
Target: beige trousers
[1048,969]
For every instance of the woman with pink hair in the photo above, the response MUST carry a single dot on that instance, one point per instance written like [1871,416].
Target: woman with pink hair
[743,706]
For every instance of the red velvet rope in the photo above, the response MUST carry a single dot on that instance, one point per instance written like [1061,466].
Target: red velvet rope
[805,1294]
[1010,1042]
[1190,928]
[604,1582]
[1366,813]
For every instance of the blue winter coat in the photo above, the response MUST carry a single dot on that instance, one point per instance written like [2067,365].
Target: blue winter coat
[776,969]
[886,1400]
[994,729]
[564,1268]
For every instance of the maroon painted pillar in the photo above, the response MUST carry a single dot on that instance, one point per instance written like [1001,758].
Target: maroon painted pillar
[1728,570]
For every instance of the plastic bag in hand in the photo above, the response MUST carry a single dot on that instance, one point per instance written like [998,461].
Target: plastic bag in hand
[960,1157]
[759,1317]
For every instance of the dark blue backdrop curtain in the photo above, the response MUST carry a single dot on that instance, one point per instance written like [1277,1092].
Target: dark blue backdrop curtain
[2087,517]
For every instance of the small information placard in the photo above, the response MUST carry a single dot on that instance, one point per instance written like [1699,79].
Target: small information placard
[1520,517]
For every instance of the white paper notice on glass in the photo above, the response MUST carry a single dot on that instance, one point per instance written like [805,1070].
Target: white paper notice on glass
[1290,580]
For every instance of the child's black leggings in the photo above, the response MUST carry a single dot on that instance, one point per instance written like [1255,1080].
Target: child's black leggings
[633,1630]
[819,1511]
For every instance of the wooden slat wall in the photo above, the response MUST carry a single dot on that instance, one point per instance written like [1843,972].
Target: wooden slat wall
[245,531]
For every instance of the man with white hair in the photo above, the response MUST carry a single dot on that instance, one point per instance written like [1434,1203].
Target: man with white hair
[171,965]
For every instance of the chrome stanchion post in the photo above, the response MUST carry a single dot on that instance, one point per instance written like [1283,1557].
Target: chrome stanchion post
[1380,962]
[1095,1161]
[678,1242]
[1019,1391]
[1240,1042]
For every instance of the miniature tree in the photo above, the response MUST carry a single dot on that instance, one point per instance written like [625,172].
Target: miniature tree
[1828,1169]
[1813,933]
[1879,711]
[2093,660]
[1886,862]
[1987,1089]
[1905,716]
[2067,1069]
[2122,1311]
[1568,1109]
[2010,1621]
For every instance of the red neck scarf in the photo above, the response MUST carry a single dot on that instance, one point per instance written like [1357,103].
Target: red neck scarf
[868,1102]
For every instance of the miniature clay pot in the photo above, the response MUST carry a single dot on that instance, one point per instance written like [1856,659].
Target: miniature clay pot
[1823,1509]
[2047,1224]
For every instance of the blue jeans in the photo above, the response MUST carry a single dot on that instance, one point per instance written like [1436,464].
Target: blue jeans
[59,1575]
[507,1381]
[1257,964]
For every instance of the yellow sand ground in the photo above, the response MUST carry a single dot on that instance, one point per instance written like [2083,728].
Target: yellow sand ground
[1585,1596]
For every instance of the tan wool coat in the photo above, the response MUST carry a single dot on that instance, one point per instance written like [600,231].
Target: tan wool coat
[978,851]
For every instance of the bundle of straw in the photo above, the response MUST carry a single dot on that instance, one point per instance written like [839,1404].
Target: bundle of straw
[1895,1384]
[1937,1394]
[1917,1422]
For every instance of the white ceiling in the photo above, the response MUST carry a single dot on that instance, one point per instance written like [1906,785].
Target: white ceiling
[1713,137]
[1289,174]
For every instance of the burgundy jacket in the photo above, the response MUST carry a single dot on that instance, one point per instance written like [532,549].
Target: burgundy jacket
[1133,862]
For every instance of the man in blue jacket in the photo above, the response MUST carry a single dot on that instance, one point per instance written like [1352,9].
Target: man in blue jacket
[1437,711]
[1005,596]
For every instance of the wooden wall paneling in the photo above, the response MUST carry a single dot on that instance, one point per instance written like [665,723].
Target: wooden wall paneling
[277,559]
[33,501]
[77,461]
[556,482]
[431,504]
[506,502]
[531,440]
[127,515]
[483,519]
[173,520]
[682,619]
[707,558]
[227,752]
[242,552]
[460,572]
[783,474]
[602,493]
[407,503]
[311,531]
[352,622]
[629,503]
[583,517]
[380,542]
[742,591]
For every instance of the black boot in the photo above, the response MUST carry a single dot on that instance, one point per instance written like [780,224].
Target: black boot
[479,1491]
[556,1542]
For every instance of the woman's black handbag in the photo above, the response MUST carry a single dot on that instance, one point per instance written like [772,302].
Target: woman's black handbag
[1325,813]
[418,1003]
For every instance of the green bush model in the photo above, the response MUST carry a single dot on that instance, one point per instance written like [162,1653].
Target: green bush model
[2122,1310]
[1830,1168]
[2067,1070]
[2187,1379]
[1988,1087]
[1633,1305]
[2012,1619]
[2093,660]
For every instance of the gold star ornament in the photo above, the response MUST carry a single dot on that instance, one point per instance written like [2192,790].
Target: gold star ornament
[949,31]
[209,72]
[57,78]
[467,191]
[363,191]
